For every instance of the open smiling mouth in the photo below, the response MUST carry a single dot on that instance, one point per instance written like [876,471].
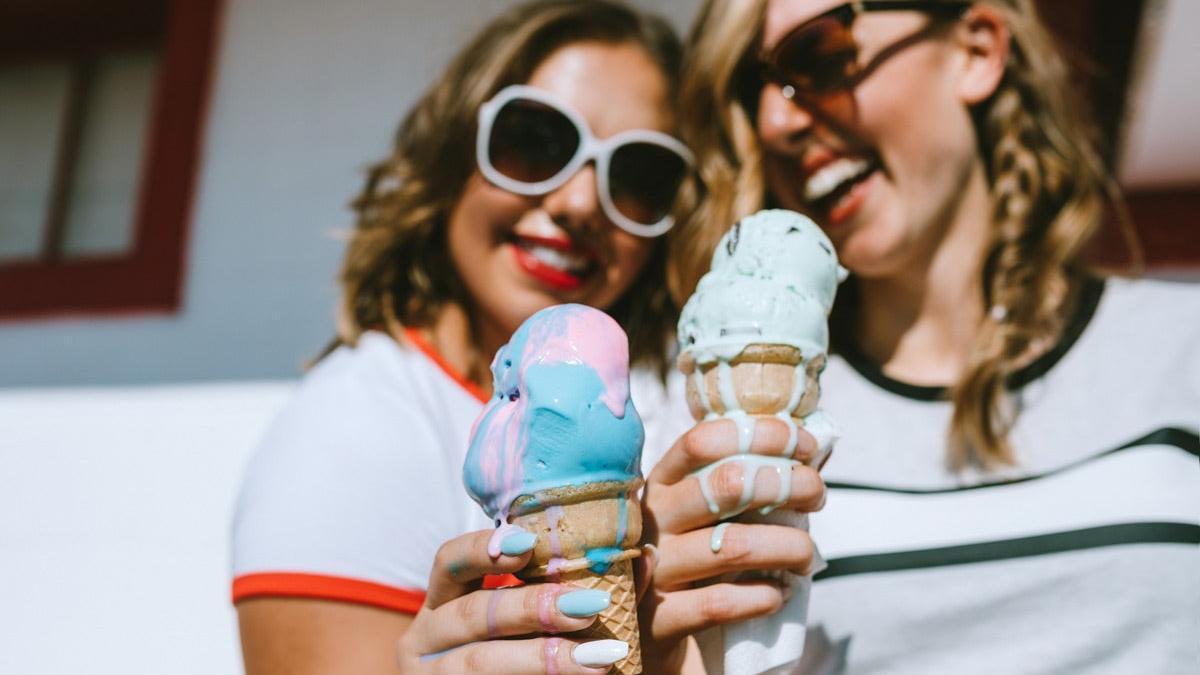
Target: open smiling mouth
[555,263]
[828,187]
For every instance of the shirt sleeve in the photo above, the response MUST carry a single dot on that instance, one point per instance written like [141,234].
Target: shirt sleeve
[347,498]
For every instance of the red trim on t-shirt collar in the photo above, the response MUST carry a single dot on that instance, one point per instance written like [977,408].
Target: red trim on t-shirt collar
[419,342]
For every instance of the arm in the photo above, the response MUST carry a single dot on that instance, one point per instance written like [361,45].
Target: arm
[322,523]
[297,636]
[459,629]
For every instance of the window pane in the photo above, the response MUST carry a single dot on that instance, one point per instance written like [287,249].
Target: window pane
[104,189]
[32,103]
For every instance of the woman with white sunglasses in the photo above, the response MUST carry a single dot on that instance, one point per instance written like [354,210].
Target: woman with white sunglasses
[541,169]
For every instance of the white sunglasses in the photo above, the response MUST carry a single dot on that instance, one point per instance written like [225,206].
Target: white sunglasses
[531,143]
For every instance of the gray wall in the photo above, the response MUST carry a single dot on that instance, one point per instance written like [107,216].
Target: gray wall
[307,93]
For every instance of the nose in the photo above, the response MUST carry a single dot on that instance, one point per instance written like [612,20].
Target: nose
[575,205]
[782,124]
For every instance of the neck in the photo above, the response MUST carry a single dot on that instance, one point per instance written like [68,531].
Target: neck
[921,323]
[468,350]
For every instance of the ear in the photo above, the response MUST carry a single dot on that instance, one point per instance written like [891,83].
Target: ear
[983,34]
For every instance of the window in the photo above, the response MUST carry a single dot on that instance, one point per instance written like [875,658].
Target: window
[101,110]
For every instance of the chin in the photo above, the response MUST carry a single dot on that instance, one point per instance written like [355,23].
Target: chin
[523,303]
[874,252]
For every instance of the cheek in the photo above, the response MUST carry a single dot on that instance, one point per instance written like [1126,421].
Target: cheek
[630,255]
[783,181]
[922,132]
[482,212]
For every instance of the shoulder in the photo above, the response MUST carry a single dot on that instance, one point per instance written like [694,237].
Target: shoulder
[362,414]
[371,437]
[365,394]
[349,404]
[1139,319]
[1144,304]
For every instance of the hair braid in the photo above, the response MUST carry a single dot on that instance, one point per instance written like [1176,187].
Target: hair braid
[1048,187]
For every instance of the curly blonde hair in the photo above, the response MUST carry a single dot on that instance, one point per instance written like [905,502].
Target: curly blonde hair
[397,266]
[1049,190]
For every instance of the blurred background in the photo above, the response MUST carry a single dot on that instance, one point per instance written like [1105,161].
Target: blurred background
[174,177]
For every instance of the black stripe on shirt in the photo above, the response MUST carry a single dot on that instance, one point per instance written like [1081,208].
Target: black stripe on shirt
[1183,439]
[1007,549]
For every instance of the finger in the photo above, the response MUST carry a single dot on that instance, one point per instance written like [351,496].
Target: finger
[712,440]
[681,613]
[464,560]
[528,657]
[734,485]
[734,547]
[491,614]
[644,567]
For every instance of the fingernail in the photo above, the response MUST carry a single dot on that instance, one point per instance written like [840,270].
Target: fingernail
[579,604]
[600,653]
[518,543]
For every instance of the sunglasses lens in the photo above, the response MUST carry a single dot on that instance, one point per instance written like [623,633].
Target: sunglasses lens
[643,179]
[819,57]
[531,141]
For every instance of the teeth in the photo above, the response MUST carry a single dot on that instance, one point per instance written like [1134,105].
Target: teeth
[824,182]
[557,259]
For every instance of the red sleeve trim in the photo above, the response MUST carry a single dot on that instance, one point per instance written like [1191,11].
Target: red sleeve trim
[427,349]
[322,587]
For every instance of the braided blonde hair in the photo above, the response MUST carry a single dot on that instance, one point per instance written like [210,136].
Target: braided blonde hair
[1048,183]
[1049,188]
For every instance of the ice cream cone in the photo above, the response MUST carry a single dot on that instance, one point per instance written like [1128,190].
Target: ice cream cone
[557,452]
[605,520]
[762,378]
[753,338]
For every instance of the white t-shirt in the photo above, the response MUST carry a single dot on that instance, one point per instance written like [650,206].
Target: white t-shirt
[358,482]
[1083,559]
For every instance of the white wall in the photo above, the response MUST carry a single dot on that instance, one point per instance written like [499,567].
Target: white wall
[115,506]
[307,93]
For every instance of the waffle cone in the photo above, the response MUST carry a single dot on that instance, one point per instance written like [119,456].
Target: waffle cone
[620,620]
[763,376]
[569,522]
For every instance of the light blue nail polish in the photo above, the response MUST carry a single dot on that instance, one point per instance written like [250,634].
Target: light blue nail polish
[580,604]
[518,543]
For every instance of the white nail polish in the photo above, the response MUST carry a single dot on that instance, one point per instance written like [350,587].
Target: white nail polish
[600,653]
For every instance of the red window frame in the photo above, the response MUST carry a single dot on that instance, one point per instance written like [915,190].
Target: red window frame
[1164,223]
[149,278]
[1101,39]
